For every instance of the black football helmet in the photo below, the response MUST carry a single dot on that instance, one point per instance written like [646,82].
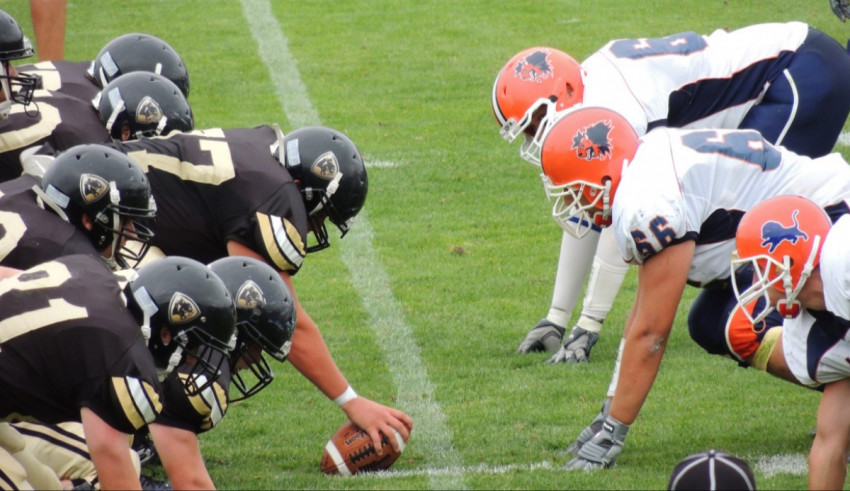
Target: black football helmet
[14,46]
[186,297]
[331,175]
[265,316]
[150,104]
[111,189]
[136,52]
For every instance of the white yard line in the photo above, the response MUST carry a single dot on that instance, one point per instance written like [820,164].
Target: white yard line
[433,438]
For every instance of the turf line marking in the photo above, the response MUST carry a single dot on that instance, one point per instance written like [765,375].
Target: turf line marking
[771,465]
[402,354]
[844,139]
[476,469]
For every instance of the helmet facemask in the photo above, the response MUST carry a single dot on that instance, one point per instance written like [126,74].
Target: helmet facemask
[116,226]
[260,371]
[24,83]
[530,149]
[208,355]
[323,210]
[579,206]
[771,273]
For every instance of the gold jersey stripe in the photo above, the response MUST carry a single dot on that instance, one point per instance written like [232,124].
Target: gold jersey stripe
[281,241]
[133,396]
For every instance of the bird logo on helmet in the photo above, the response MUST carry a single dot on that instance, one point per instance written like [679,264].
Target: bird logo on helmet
[536,67]
[593,142]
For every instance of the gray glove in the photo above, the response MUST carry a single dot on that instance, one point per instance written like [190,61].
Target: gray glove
[601,451]
[576,348]
[589,430]
[841,9]
[545,336]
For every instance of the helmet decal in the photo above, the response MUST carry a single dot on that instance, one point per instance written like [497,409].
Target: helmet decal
[182,309]
[148,111]
[593,142]
[326,166]
[249,296]
[92,187]
[536,67]
[774,233]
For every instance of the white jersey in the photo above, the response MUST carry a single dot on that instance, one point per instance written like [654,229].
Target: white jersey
[696,185]
[690,80]
[835,268]
[816,346]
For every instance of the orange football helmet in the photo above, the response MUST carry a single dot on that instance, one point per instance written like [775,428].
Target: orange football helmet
[781,239]
[535,79]
[583,156]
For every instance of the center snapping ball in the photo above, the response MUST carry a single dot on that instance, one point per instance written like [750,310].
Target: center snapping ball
[350,451]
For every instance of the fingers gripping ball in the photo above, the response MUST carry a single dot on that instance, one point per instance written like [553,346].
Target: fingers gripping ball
[350,450]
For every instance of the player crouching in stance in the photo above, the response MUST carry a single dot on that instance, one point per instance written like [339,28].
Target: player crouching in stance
[76,344]
[801,265]
[673,199]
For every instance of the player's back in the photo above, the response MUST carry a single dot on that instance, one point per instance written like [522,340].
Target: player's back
[64,77]
[688,79]
[696,185]
[58,120]
[67,340]
[210,186]
[32,233]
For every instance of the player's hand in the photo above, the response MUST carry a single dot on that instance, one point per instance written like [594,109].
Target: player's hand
[377,419]
[545,336]
[589,430]
[841,9]
[576,348]
[601,451]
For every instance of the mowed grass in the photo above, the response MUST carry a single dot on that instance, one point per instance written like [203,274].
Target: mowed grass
[462,229]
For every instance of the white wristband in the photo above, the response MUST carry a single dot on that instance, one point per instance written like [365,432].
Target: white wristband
[346,396]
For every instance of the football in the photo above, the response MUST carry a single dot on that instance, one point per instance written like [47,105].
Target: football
[350,450]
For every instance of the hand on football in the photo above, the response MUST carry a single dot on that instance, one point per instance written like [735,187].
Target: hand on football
[545,336]
[576,348]
[376,418]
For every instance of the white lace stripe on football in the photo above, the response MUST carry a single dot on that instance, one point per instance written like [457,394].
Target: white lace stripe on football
[339,462]
[399,439]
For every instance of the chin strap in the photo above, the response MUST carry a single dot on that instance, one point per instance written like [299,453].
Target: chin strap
[789,307]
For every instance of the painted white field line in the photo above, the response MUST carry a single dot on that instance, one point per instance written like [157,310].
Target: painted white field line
[844,139]
[462,470]
[771,465]
[380,164]
[415,392]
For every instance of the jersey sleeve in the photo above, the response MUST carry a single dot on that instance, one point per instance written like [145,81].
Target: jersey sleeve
[280,230]
[646,226]
[128,398]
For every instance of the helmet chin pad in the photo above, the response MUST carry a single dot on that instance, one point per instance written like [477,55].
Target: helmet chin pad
[787,309]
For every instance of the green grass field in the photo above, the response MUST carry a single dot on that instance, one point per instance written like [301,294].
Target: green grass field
[426,300]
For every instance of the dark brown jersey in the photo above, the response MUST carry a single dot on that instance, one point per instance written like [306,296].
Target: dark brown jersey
[67,341]
[30,234]
[64,77]
[55,119]
[214,186]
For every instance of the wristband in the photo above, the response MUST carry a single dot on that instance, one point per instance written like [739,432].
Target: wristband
[346,396]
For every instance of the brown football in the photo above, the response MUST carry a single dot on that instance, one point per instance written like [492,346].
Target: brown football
[350,451]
